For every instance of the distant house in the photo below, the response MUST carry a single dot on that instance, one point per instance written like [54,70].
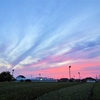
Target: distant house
[44,79]
[20,78]
[89,79]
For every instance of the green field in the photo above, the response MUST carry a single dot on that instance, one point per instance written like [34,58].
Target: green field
[49,91]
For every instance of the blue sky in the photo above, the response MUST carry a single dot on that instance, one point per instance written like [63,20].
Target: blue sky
[41,35]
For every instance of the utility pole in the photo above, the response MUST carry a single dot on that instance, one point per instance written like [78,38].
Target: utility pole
[31,76]
[69,72]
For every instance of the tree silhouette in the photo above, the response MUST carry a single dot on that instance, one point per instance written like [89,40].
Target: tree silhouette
[5,76]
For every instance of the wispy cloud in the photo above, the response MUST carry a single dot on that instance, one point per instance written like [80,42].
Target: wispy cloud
[48,34]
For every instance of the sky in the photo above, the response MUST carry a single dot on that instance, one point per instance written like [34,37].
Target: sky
[47,36]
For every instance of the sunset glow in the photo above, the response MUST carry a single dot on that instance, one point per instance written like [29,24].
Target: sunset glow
[48,36]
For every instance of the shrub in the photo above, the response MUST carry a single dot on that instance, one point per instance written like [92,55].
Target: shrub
[27,80]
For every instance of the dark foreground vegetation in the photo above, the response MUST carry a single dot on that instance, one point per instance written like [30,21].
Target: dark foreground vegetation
[6,76]
[49,91]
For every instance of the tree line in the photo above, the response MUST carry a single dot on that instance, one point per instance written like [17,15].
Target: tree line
[6,76]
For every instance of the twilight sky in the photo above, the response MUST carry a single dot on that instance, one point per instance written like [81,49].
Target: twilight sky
[46,36]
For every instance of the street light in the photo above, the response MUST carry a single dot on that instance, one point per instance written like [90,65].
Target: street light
[69,72]
[12,72]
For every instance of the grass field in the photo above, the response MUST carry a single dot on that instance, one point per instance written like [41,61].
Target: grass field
[96,92]
[49,91]
[28,90]
[78,92]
